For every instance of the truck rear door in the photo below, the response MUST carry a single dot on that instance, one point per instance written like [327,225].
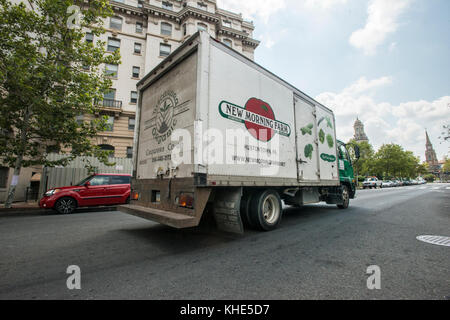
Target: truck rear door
[306,135]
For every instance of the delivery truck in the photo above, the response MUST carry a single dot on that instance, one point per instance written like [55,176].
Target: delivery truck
[217,134]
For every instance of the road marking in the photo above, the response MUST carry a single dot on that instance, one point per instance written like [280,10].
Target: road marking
[437,240]
[448,188]
[436,188]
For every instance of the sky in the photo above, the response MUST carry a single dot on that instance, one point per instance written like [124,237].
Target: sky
[384,61]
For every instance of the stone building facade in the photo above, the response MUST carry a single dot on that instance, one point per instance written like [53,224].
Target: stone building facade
[146,32]
[360,135]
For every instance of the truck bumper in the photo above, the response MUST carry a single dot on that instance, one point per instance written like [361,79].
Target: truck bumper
[172,219]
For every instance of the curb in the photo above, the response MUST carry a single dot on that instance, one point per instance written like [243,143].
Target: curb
[16,212]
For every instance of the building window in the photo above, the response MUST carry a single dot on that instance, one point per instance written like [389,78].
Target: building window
[202,6]
[113,44]
[109,123]
[136,72]
[4,172]
[111,70]
[134,97]
[228,42]
[166,29]
[137,48]
[139,27]
[105,147]
[115,23]
[89,37]
[202,27]
[226,23]
[164,50]
[129,152]
[167,5]
[110,95]
[140,4]
[184,29]
[131,123]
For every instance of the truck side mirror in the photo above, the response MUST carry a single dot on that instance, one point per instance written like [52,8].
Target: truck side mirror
[357,152]
[87,184]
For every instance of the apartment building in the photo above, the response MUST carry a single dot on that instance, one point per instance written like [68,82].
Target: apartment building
[146,32]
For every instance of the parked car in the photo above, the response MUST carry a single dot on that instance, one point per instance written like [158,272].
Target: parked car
[95,190]
[371,182]
[387,184]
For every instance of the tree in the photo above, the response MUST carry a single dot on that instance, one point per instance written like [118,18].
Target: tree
[49,75]
[446,167]
[429,177]
[364,166]
[392,161]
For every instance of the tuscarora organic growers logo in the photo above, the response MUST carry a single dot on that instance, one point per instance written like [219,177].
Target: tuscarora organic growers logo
[258,117]
[164,116]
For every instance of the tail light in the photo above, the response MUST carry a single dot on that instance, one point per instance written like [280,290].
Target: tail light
[185,200]
[135,195]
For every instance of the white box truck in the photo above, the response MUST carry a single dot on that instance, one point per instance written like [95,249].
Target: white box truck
[218,134]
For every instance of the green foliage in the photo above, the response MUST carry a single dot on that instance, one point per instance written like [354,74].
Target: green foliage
[392,161]
[446,167]
[49,75]
[309,151]
[429,177]
[321,136]
[330,140]
[307,129]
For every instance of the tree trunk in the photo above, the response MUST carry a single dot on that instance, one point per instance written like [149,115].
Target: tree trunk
[14,182]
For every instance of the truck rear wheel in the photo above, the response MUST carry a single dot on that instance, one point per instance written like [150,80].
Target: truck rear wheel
[345,197]
[265,210]
[245,210]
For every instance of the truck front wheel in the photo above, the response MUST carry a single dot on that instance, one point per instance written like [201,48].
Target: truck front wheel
[265,210]
[345,197]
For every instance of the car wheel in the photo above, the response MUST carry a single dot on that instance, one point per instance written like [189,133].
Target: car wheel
[345,197]
[266,210]
[66,205]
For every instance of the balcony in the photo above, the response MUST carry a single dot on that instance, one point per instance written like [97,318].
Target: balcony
[110,105]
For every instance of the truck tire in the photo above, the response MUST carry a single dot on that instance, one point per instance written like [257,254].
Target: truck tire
[245,210]
[66,205]
[265,210]
[346,197]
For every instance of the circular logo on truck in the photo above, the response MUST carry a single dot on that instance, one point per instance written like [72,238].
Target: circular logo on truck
[165,106]
[257,128]
[257,116]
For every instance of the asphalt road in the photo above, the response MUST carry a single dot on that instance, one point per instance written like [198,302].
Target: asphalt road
[319,252]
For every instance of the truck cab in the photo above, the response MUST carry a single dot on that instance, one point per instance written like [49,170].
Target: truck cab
[346,171]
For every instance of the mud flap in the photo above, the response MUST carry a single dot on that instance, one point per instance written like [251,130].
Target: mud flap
[227,204]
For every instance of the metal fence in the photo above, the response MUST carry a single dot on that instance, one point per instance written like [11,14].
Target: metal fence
[75,171]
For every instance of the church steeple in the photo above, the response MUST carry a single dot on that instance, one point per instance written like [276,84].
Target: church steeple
[430,154]
[360,135]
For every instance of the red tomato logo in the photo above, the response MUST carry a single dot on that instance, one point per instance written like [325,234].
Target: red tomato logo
[259,107]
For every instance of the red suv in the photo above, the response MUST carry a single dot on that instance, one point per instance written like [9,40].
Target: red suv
[95,190]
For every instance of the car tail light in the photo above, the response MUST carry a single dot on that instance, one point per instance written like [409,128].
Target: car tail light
[135,195]
[185,200]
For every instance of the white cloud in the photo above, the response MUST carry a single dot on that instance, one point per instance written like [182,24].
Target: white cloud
[324,4]
[264,9]
[403,124]
[382,20]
